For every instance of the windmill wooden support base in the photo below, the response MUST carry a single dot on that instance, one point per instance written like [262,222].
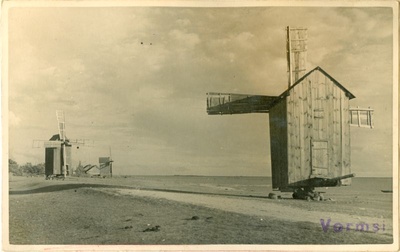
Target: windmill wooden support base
[306,189]
[308,194]
[56,177]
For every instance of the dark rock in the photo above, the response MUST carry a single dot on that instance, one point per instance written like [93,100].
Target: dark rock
[152,229]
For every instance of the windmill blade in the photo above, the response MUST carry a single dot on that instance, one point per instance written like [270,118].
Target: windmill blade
[296,52]
[61,129]
[49,144]
[225,103]
[83,142]
[45,143]
[61,123]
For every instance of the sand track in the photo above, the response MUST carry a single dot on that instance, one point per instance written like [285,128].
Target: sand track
[265,208]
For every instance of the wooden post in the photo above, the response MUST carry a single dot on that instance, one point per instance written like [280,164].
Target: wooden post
[110,163]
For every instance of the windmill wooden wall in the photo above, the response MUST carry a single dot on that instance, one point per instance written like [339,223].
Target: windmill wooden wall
[52,161]
[310,131]
[68,149]
[279,144]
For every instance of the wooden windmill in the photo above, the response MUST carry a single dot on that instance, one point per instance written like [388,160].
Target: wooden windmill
[58,158]
[309,124]
[106,165]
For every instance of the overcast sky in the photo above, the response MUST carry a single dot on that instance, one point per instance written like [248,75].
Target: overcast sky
[135,79]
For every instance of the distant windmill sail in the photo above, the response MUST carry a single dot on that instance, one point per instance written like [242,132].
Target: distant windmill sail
[296,45]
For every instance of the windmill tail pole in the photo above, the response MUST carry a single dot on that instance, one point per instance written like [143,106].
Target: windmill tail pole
[325,182]
[337,179]
[344,177]
[110,163]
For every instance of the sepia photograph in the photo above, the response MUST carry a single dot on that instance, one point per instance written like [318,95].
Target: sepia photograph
[218,125]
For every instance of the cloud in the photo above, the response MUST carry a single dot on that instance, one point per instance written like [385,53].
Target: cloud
[135,79]
[182,42]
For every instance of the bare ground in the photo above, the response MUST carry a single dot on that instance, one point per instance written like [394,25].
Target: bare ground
[118,210]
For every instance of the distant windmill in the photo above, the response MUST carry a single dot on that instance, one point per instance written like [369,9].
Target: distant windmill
[106,165]
[309,124]
[58,150]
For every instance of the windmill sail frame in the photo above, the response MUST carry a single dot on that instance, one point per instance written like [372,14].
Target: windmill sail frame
[296,53]
[228,103]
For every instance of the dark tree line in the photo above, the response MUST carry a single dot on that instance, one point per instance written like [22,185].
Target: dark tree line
[26,169]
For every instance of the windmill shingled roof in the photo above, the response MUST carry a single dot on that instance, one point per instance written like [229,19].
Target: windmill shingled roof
[350,95]
[55,137]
